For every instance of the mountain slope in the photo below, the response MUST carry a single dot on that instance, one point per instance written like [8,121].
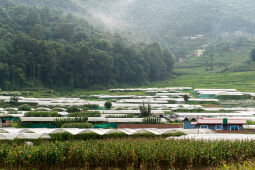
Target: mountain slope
[41,47]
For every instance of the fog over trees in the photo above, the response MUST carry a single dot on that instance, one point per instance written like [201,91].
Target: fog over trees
[102,43]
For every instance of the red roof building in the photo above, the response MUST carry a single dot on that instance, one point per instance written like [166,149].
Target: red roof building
[218,123]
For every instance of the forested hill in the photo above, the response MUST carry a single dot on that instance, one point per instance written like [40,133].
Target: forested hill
[168,22]
[41,47]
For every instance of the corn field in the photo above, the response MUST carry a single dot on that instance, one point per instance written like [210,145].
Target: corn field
[126,153]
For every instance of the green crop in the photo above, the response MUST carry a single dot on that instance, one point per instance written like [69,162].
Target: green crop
[127,152]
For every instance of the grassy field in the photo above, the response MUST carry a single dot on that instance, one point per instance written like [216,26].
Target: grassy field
[243,81]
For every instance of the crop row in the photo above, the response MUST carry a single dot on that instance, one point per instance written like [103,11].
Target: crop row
[127,152]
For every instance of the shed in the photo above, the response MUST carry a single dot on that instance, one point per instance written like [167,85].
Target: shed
[6,120]
[187,123]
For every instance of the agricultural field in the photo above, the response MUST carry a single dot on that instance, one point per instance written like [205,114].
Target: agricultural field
[242,81]
[124,128]
[127,153]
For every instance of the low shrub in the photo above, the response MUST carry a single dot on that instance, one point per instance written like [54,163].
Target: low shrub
[250,122]
[77,125]
[73,109]
[24,108]
[85,114]
[41,114]
[65,136]
[60,122]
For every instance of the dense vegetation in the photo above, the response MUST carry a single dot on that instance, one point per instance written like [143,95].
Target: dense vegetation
[168,21]
[41,114]
[77,125]
[41,47]
[127,152]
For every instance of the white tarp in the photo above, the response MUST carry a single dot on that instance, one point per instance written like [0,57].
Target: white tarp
[219,136]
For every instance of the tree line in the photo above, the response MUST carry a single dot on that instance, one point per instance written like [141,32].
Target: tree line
[40,47]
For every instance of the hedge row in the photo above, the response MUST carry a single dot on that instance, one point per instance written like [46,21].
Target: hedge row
[92,135]
[77,125]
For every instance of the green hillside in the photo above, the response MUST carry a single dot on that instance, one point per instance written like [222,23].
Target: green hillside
[44,48]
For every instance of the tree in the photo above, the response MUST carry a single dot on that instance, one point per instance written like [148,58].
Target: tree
[45,48]
[145,110]
[253,54]
[14,101]
[73,109]
[186,98]
[108,105]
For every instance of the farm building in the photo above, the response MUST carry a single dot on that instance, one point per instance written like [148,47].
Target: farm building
[6,121]
[215,123]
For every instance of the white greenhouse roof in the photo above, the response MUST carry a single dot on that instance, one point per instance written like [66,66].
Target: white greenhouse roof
[109,112]
[230,90]
[216,114]
[143,101]
[172,94]
[220,136]
[11,136]
[42,119]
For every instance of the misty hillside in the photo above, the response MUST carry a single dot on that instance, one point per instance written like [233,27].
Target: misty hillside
[164,21]
[43,47]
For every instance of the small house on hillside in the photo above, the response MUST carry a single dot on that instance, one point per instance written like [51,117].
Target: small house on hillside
[215,123]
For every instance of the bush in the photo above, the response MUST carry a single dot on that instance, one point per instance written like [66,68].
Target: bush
[73,109]
[41,114]
[250,122]
[24,108]
[85,114]
[77,125]
[14,101]
[61,136]
[108,105]
[186,98]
